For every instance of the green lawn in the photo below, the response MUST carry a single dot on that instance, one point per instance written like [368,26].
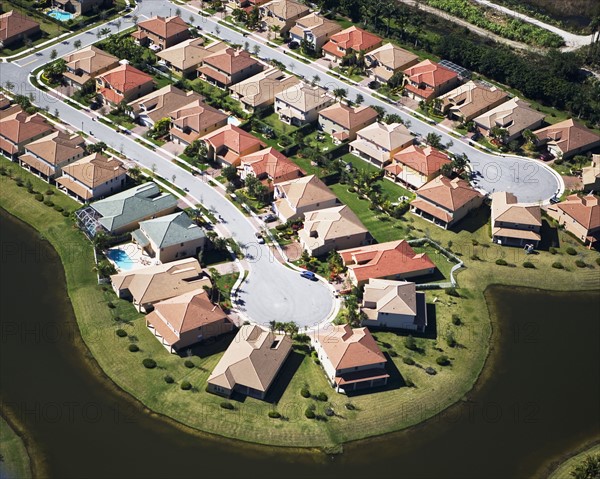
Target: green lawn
[443,264]
[564,470]
[15,460]
[381,411]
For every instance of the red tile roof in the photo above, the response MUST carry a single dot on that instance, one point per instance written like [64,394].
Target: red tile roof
[355,38]
[384,260]
[125,78]
[426,160]
[451,194]
[164,27]
[585,210]
[233,138]
[349,348]
[230,61]
[273,164]
[13,24]
[21,126]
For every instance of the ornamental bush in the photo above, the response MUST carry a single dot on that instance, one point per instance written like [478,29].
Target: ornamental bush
[528,264]
[408,360]
[571,251]
[410,343]
[501,262]
[189,364]
[133,348]
[58,208]
[149,363]
[169,379]
[48,203]
[598,260]
[322,397]
[274,415]
[442,360]
[305,393]
[39,197]
[580,263]
[557,265]
[227,405]
[309,413]
[456,319]
[185,385]
[121,333]
[552,250]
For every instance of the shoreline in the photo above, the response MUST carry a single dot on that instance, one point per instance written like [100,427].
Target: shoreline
[326,448]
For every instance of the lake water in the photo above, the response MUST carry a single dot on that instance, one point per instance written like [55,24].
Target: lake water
[538,400]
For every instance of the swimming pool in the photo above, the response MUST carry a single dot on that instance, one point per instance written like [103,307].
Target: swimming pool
[232,120]
[60,15]
[123,261]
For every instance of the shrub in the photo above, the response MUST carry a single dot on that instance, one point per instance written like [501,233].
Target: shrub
[227,405]
[580,263]
[111,305]
[408,360]
[430,371]
[149,363]
[305,393]
[49,191]
[557,265]
[133,348]
[571,251]
[58,208]
[456,319]
[450,339]
[501,262]
[48,203]
[442,360]
[185,385]
[392,353]
[309,413]
[189,364]
[66,214]
[121,333]
[528,264]
[169,379]
[349,406]
[552,250]
[322,397]
[474,257]
[39,197]
[410,343]
[274,415]
[409,383]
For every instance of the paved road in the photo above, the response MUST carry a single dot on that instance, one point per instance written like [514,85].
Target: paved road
[572,40]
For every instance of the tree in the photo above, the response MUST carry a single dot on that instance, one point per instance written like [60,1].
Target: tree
[160,128]
[529,137]
[105,31]
[246,46]
[253,18]
[359,99]
[315,80]
[351,311]
[380,112]
[118,24]
[498,133]
[77,44]
[98,147]
[256,49]
[9,85]
[393,118]
[340,93]
[410,343]
[434,140]
[589,469]
[230,173]
[55,70]
[135,173]
[178,12]
[53,54]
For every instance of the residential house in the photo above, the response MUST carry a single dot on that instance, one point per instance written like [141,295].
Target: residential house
[259,90]
[580,216]
[426,80]
[281,15]
[5,102]
[170,237]
[229,143]
[342,121]
[393,305]
[470,100]
[45,157]
[20,128]
[352,40]
[123,83]
[270,166]
[445,202]
[153,284]
[391,260]
[185,57]
[228,67]
[300,104]
[567,139]
[85,64]
[250,363]
[122,213]
[378,142]
[294,198]
[92,177]
[187,319]
[513,116]
[161,32]
[194,120]
[416,165]
[246,5]
[81,7]
[15,28]
[351,358]
[315,30]
[591,175]
[512,224]
[330,229]
[160,103]
[387,60]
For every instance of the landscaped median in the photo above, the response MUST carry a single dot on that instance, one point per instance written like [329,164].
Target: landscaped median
[462,323]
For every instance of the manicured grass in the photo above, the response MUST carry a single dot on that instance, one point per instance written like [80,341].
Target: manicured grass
[443,264]
[564,470]
[15,460]
[392,408]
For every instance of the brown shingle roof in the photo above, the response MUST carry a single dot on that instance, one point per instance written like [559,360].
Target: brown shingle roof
[393,57]
[349,348]
[196,116]
[568,135]
[230,61]
[451,194]
[90,60]
[308,190]
[21,126]
[514,116]
[160,103]
[505,208]
[317,24]
[189,53]
[95,169]
[57,147]
[472,98]
[349,117]
[13,24]
[385,259]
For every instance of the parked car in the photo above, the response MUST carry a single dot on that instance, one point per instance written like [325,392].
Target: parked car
[269,218]
[259,238]
[554,200]
[309,275]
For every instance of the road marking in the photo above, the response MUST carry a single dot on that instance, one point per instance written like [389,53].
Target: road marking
[28,63]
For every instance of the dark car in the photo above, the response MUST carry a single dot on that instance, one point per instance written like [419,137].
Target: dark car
[309,275]
[269,218]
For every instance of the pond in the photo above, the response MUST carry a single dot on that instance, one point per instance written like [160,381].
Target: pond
[537,401]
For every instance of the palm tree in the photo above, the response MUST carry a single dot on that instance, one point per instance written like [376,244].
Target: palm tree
[9,85]
[105,31]
[53,54]
[340,93]
[359,99]
[77,44]
[315,80]
[434,140]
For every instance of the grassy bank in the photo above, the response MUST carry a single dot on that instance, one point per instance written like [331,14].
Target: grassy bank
[564,469]
[99,314]
[15,460]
